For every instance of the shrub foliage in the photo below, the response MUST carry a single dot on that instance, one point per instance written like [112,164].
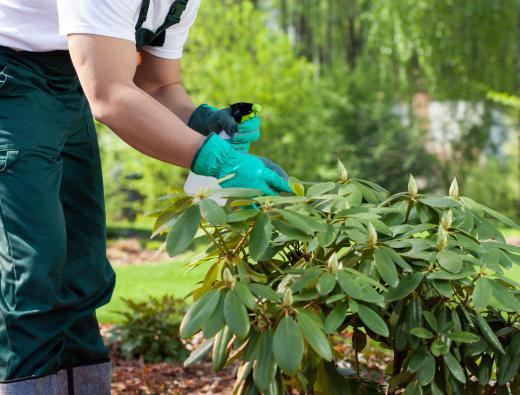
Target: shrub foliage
[150,330]
[422,275]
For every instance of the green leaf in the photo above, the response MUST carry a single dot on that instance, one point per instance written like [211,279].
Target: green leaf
[417,360]
[439,202]
[235,314]
[320,189]
[454,367]
[245,295]
[290,231]
[422,333]
[488,334]
[260,236]
[426,373]
[302,222]
[450,261]
[236,193]
[263,291]
[463,337]
[314,333]
[485,369]
[406,286]
[386,267]
[327,237]
[438,347]
[432,321]
[358,288]
[413,388]
[435,389]
[198,313]
[264,370]
[288,345]
[199,353]
[505,297]
[242,215]
[326,283]
[398,259]
[335,318]
[182,234]
[372,320]
[212,212]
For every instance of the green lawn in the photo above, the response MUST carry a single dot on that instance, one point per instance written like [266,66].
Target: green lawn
[137,282]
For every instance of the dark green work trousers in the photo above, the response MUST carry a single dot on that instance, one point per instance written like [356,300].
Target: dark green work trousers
[53,267]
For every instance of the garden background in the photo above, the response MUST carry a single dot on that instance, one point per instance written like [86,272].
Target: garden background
[391,87]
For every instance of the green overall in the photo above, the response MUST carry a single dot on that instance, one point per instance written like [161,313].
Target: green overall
[54,272]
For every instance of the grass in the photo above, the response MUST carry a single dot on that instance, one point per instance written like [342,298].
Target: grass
[138,282]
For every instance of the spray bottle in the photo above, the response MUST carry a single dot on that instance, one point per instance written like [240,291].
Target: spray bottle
[195,183]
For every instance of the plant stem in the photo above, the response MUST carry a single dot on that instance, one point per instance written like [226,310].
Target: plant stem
[223,251]
[219,235]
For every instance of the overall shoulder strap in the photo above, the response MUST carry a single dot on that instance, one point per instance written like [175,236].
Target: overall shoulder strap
[147,37]
[174,15]
[143,14]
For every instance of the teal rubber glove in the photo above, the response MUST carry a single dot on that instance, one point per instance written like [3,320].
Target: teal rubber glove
[274,167]
[206,119]
[218,159]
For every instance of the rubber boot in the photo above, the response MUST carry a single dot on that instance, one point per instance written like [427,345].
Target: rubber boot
[45,385]
[84,380]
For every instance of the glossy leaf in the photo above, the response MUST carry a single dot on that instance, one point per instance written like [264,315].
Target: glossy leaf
[212,212]
[314,334]
[260,236]
[386,267]
[198,313]
[373,320]
[182,234]
[235,314]
[288,345]
[406,286]
[454,367]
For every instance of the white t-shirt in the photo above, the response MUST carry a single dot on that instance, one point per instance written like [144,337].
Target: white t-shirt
[42,25]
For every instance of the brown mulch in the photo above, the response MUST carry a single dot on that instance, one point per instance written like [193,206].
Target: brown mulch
[130,252]
[134,377]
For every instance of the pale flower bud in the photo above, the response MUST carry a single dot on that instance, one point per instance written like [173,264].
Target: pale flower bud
[454,189]
[333,263]
[287,297]
[447,219]
[412,186]
[372,235]
[442,239]
[228,276]
[342,172]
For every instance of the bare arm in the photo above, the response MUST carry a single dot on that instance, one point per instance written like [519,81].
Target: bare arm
[106,68]
[161,79]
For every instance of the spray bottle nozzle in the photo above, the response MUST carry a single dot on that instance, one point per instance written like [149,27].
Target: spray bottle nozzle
[242,112]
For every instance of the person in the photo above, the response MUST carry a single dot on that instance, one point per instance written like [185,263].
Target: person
[61,63]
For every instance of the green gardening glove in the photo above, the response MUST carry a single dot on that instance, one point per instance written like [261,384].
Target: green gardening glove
[217,159]
[206,119]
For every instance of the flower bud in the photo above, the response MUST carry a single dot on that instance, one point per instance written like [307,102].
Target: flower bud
[372,235]
[412,186]
[287,297]
[447,219]
[442,239]
[342,172]
[333,263]
[454,189]
[228,277]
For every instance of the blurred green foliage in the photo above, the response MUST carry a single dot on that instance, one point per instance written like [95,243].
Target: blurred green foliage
[345,78]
